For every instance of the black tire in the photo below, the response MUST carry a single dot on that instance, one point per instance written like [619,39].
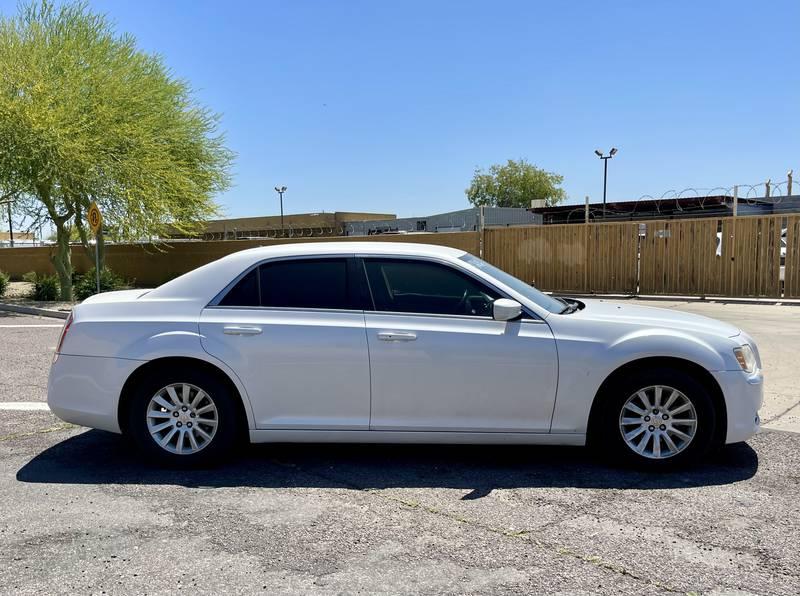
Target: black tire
[224,439]
[608,436]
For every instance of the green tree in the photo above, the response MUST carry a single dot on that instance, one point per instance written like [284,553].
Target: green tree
[85,116]
[514,184]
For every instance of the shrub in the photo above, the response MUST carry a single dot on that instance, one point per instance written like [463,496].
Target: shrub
[4,280]
[86,284]
[45,287]
[30,277]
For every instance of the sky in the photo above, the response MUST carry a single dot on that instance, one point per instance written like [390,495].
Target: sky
[390,106]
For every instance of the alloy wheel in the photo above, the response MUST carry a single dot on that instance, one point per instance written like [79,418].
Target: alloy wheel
[182,418]
[658,422]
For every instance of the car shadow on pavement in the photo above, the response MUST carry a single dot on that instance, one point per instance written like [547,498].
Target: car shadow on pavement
[96,457]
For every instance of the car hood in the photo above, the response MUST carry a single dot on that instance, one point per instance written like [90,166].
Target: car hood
[646,316]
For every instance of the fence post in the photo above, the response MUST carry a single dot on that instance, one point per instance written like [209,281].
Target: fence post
[586,233]
[789,183]
[481,226]
[732,240]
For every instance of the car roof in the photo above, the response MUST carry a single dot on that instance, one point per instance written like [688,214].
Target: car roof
[203,283]
[381,247]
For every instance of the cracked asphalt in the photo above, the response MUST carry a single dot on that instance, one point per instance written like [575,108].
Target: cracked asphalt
[80,514]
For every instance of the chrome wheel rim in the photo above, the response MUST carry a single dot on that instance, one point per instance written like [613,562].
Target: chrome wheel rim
[658,422]
[182,418]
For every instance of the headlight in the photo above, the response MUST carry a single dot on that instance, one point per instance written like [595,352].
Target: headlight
[745,357]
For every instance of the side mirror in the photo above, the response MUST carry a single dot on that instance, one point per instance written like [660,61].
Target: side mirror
[504,309]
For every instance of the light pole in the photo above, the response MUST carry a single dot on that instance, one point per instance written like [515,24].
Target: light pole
[280,190]
[605,159]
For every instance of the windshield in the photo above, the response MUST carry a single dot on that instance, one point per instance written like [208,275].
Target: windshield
[547,302]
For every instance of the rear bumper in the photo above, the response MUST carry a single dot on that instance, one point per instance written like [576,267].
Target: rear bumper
[744,394]
[85,390]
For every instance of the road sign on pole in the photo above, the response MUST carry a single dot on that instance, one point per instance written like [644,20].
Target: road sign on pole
[95,219]
[96,223]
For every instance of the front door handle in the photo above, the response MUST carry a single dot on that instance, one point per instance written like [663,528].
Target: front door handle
[396,336]
[241,330]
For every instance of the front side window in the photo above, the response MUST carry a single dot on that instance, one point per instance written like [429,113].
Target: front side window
[531,293]
[412,286]
[298,283]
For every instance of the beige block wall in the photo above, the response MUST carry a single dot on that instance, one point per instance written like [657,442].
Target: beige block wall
[149,265]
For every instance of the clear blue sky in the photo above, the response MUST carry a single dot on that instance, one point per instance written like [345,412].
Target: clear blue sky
[389,106]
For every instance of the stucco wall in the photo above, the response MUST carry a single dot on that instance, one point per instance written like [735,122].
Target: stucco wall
[150,265]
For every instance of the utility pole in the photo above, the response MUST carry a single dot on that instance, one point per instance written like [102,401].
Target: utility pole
[280,190]
[605,159]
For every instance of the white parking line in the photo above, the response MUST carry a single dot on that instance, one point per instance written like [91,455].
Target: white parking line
[24,326]
[24,406]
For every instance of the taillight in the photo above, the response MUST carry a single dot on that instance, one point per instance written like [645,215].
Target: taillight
[63,335]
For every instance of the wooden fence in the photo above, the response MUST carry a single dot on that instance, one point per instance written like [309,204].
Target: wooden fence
[792,283]
[697,257]
[739,256]
[725,257]
[567,258]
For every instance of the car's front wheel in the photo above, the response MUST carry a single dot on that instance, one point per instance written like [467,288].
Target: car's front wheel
[657,418]
[183,418]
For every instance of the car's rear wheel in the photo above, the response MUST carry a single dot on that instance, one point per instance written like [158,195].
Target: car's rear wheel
[657,418]
[183,418]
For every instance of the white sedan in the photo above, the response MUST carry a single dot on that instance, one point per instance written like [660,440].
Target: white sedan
[393,342]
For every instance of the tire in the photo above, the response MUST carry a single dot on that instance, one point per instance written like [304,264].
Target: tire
[183,417]
[628,431]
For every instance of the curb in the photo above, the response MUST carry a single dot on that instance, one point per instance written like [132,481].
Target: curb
[34,310]
[707,299]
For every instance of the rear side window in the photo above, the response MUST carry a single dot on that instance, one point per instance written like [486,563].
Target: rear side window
[318,283]
[300,283]
[244,293]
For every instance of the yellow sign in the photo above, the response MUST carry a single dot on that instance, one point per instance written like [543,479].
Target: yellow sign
[95,219]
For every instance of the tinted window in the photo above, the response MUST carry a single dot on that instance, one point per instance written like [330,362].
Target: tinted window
[531,293]
[424,287]
[308,283]
[244,293]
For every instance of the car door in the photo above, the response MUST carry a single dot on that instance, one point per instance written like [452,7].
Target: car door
[440,362]
[293,331]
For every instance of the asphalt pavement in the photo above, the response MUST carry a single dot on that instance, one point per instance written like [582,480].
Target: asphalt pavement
[27,345]
[81,514]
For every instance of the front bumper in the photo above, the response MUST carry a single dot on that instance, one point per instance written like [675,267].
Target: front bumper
[744,394]
[85,390]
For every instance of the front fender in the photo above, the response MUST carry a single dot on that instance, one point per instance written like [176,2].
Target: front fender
[586,362]
[647,343]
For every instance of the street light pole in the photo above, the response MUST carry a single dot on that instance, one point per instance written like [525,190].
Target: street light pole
[280,190]
[605,159]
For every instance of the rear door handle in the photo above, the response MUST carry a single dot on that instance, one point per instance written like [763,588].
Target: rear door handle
[241,330]
[396,336]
